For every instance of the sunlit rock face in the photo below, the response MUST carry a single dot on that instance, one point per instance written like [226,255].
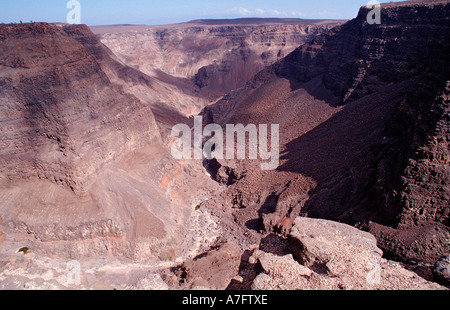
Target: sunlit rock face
[217,55]
[84,170]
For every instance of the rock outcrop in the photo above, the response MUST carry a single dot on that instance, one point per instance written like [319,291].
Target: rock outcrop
[281,273]
[441,270]
[333,256]
[363,115]
[318,243]
[212,269]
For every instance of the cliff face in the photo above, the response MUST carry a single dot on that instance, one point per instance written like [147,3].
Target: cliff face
[218,56]
[364,134]
[356,60]
[409,47]
[49,85]
[83,168]
[363,114]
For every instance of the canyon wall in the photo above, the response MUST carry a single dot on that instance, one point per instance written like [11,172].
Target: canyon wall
[51,85]
[216,55]
[84,170]
[363,114]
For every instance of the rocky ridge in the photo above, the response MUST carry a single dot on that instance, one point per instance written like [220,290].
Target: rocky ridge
[333,256]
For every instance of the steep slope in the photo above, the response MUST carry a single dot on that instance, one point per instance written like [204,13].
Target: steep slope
[363,114]
[170,98]
[216,56]
[36,75]
[84,171]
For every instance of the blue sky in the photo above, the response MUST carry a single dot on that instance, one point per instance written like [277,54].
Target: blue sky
[102,12]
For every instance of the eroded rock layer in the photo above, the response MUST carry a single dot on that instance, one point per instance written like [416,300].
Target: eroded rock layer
[363,114]
[84,170]
[216,55]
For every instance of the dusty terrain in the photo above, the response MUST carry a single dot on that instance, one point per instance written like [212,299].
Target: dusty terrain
[86,174]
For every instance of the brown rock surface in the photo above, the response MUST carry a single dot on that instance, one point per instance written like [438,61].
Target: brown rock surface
[339,256]
[81,158]
[212,269]
[217,55]
[85,169]
[363,115]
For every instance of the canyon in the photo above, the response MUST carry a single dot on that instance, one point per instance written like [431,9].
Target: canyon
[218,56]
[87,174]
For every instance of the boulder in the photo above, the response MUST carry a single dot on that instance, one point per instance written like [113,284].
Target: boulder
[316,241]
[281,272]
[213,269]
[441,270]
[333,256]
